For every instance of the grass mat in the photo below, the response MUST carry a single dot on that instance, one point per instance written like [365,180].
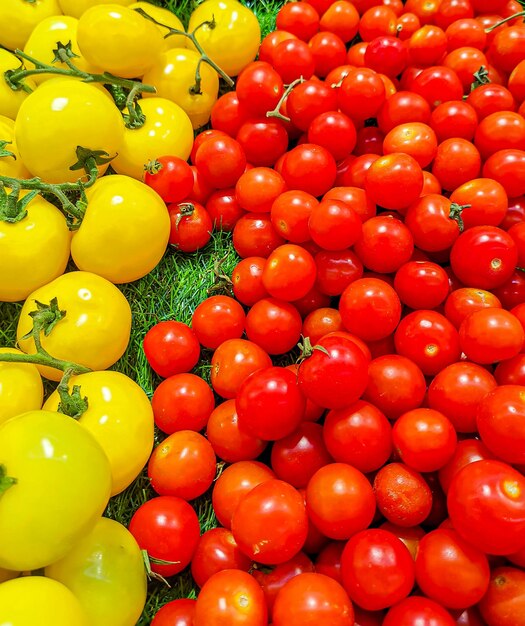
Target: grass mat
[172,291]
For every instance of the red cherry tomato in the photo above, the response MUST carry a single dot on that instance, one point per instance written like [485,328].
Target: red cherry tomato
[217,319]
[171,177]
[175,613]
[171,348]
[418,611]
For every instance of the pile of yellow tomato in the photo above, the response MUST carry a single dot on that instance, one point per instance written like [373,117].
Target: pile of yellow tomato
[57,473]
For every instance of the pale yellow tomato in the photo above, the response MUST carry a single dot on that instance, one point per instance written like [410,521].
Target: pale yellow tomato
[119,40]
[34,250]
[167,131]
[114,592]
[39,601]
[9,166]
[234,41]
[59,116]
[77,7]
[120,417]
[62,487]
[19,17]
[173,75]
[43,41]
[125,230]
[10,100]
[95,330]
[21,388]
[164,17]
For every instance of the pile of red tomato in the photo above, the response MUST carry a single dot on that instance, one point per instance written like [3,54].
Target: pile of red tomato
[376,194]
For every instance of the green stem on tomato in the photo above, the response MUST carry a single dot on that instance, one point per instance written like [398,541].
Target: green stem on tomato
[6,482]
[277,111]
[504,21]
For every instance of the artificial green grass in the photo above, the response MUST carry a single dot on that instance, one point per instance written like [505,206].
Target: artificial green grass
[171,291]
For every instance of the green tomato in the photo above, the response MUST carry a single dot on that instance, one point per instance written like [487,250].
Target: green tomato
[105,570]
[39,601]
[63,482]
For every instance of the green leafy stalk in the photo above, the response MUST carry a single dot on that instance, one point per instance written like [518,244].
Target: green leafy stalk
[6,482]
[505,20]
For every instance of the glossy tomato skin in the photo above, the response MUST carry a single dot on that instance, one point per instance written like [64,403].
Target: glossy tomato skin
[289,272]
[231,597]
[274,325]
[191,226]
[395,385]
[508,168]
[270,524]
[175,613]
[429,220]
[511,371]
[377,569]
[340,500]
[258,188]
[402,495]
[394,181]
[504,602]
[171,348]
[484,257]
[418,611]
[254,236]
[217,319]
[458,391]
[421,284]
[500,419]
[168,528]
[233,484]
[310,599]
[269,404]
[385,244]
[247,280]
[359,435]
[336,269]
[466,300]
[336,376]
[487,507]
[450,570]
[467,451]
[309,168]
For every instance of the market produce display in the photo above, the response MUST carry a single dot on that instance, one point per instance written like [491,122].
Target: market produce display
[262,313]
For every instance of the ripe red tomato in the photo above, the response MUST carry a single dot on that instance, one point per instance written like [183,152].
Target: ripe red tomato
[231,597]
[504,602]
[232,362]
[385,244]
[328,561]
[336,270]
[233,484]
[511,371]
[270,43]
[171,177]
[334,131]
[183,465]
[395,385]
[168,528]
[223,209]
[334,225]
[247,282]
[182,402]
[259,88]
[309,168]
[226,438]
[454,119]
[290,213]
[394,181]
[487,199]
[466,300]
[301,20]
[310,599]
[418,611]
[403,107]
[427,46]
[191,226]
[274,325]
[428,339]
[507,167]
[217,319]
[228,114]
[410,536]
[263,140]
[500,131]
[416,139]
[320,322]
[296,457]
[467,451]
[257,189]
[361,94]
[269,404]
[377,569]
[486,505]
[402,495]
[359,435]
[458,391]
[490,98]
[270,523]
[370,308]
[424,439]
[437,84]
[421,284]
[377,21]
[500,422]
[335,374]
[340,501]
[215,552]
[329,52]
[171,348]
[289,272]
[341,18]
[293,59]
[221,160]
[175,613]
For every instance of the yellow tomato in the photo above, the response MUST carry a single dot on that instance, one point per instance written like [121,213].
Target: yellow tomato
[21,388]
[7,574]
[43,41]
[164,17]
[19,17]
[34,251]
[234,41]
[167,131]
[63,486]
[114,592]
[9,166]
[125,230]
[59,116]
[35,600]
[11,100]
[173,75]
[119,40]
[120,417]
[95,330]
[77,7]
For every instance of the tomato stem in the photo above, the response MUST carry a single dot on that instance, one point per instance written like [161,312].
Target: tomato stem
[63,53]
[71,402]
[504,21]
[277,111]
[455,214]
[6,482]
[196,88]
[481,77]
